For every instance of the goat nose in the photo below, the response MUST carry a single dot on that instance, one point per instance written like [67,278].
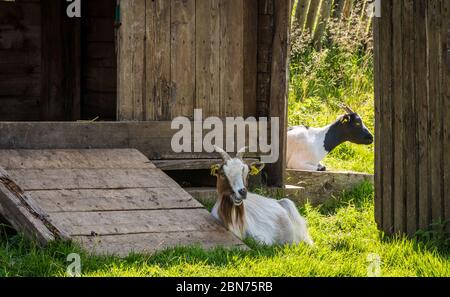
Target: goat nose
[243,192]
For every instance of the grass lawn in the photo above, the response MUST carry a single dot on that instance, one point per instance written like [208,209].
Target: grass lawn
[344,231]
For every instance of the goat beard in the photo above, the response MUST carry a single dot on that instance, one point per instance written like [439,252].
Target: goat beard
[236,200]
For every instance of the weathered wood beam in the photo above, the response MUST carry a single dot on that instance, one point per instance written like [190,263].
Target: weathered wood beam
[280,85]
[22,212]
[153,139]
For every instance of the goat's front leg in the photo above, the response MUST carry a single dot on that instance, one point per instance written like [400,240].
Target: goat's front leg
[320,167]
[307,167]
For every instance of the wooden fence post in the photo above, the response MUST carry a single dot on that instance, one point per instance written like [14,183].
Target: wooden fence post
[301,12]
[312,16]
[324,15]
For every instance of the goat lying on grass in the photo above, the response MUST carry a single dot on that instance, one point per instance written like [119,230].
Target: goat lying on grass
[267,220]
[306,147]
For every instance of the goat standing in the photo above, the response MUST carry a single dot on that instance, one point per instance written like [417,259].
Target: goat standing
[267,220]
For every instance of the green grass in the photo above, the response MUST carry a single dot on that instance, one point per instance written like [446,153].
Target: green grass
[343,229]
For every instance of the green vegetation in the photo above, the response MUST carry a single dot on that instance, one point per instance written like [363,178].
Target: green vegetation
[344,232]
[341,72]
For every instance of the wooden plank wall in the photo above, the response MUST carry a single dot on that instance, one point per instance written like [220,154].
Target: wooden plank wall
[412,81]
[99,70]
[61,63]
[265,40]
[176,55]
[20,60]
[279,87]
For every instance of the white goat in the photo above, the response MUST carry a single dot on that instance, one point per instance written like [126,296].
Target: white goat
[307,147]
[267,220]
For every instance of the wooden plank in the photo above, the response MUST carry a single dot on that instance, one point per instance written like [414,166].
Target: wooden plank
[435,94]
[113,200]
[397,113]
[250,56]
[130,61]
[26,13]
[90,205]
[99,79]
[14,38]
[74,159]
[378,86]
[153,139]
[20,85]
[265,7]
[207,47]
[265,40]
[347,9]
[324,15]
[19,108]
[101,54]
[446,111]
[192,164]
[422,108]
[22,213]
[158,57]
[122,245]
[99,71]
[409,117]
[99,105]
[231,58]
[61,60]
[100,8]
[135,222]
[279,85]
[387,115]
[301,12]
[311,19]
[18,56]
[182,50]
[20,61]
[338,7]
[101,29]
[58,179]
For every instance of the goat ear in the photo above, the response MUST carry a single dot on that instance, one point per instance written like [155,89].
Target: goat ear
[215,169]
[256,168]
[345,119]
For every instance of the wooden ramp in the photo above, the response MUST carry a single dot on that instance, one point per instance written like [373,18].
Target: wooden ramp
[112,201]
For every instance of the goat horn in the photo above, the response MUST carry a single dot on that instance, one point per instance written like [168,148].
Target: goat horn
[241,152]
[346,108]
[223,153]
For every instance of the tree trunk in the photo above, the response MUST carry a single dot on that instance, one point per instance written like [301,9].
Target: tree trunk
[312,15]
[301,12]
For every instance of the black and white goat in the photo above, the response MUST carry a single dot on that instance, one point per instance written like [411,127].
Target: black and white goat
[267,220]
[307,147]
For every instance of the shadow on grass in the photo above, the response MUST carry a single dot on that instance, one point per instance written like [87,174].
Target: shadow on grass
[360,196]
[21,257]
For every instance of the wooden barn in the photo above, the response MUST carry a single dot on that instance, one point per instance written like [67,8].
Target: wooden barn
[86,106]
[412,86]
